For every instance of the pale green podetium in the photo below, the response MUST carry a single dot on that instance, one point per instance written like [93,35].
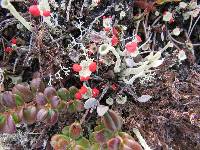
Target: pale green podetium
[6,4]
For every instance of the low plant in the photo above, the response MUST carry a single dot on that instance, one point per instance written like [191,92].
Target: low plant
[106,135]
[35,103]
[116,53]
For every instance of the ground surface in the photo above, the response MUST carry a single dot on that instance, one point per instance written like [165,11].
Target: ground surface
[170,120]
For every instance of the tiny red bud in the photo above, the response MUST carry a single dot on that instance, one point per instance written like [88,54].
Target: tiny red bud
[131,47]
[8,49]
[114,87]
[76,67]
[46,13]
[14,41]
[83,90]
[33,10]
[87,78]
[95,92]
[78,95]
[138,38]
[171,20]
[115,32]
[114,40]
[93,67]
[84,78]
[164,13]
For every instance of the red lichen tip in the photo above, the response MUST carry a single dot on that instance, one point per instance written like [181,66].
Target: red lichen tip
[93,67]
[76,67]
[78,95]
[8,49]
[34,10]
[138,38]
[46,13]
[95,92]
[14,41]
[84,78]
[131,47]
[83,90]
[114,40]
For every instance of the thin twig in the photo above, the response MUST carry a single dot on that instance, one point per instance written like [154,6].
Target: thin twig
[194,26]
[191,20]
[84,116]
[145,42]
[181,43]
[137,26]
[15,64]
[157,19]
[145,30]
[154,42]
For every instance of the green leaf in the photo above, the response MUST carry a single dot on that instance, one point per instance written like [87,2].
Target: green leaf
[61,106]
[65,130]
[18,100]
[99,127]
[83,142]
[72,108]
[79,106]
[72,92]
[108,134]
[50,112]
[29,114]
[102,136]
[16,118]
[95,147]
[91,137]
[64,94]
[66,137]
[2,120]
